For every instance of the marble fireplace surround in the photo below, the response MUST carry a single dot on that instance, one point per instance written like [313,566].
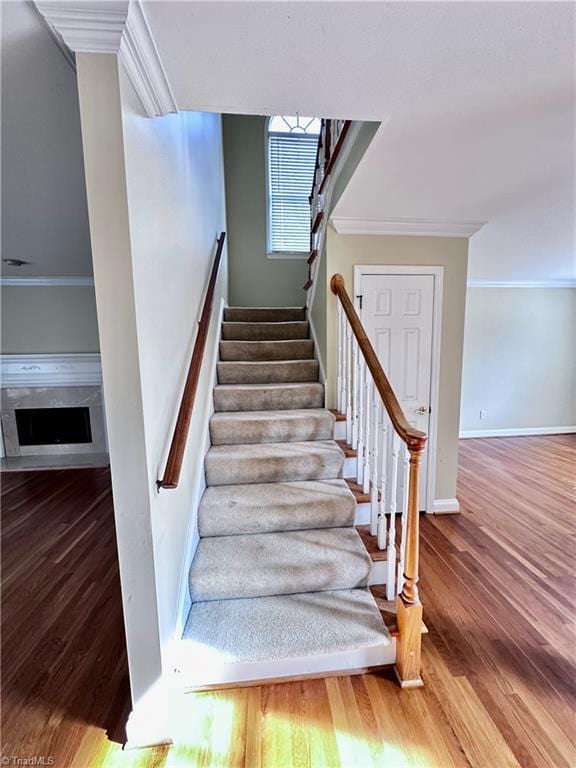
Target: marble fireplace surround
[13,398]
[51,381]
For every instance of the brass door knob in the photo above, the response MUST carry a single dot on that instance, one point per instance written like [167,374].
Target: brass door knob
[423,409]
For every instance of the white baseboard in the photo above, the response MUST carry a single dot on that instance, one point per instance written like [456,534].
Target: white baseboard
[378,573]
[195,667]
[517,432]
[150,722]
[316,349]
[362,514]
[445,506]
[203,437]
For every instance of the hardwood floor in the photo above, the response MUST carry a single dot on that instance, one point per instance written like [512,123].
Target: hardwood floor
[497,584]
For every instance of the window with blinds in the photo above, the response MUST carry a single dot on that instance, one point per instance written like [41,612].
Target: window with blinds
[292,145]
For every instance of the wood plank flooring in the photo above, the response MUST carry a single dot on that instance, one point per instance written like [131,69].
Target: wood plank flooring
[499,661]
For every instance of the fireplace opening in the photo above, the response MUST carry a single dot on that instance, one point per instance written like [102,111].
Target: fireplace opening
[53,426]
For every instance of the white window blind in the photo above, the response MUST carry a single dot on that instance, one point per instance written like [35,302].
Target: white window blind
[291,161]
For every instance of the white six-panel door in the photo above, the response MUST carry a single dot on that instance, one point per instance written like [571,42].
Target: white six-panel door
[397,313]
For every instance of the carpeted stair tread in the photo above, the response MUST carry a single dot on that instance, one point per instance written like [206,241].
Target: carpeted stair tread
[238,427]
[268,397]
[284,626]
[301,349]
[261,564]
[271,372]
[264,314]
[265,331]
[227,510]
[273,462]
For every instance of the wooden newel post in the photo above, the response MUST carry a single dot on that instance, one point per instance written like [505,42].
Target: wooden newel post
[409,606]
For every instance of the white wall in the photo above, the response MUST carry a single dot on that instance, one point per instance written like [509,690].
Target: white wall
[156,204]
[175,184]
[519,359]
[44,212]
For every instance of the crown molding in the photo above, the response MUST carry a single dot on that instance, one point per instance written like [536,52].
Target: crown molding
[412,227]
[143,65]
[115,27]
[93,26]
[568,283]
[32,281]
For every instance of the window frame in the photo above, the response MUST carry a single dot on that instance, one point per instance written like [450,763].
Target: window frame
[271,254]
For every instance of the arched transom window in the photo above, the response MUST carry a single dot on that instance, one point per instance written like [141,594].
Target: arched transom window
[291,154]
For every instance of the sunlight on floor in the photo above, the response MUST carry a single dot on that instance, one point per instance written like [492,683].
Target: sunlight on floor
[246,727]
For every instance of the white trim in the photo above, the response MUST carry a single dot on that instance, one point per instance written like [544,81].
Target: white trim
[445,506]
[50,370]
[95,26]
[143,65]
[517,432]
[183,602]
[31,281]
[64,50]
[194,671]
[413,227]
[317,353]
[115,27]
[438,274]
[294,255]
[378,573]
[568,283]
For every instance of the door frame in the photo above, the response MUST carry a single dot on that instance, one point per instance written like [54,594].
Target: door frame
[361,270]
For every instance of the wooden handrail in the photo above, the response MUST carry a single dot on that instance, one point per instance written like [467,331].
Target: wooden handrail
[180,436]
[414,438]
[334,154]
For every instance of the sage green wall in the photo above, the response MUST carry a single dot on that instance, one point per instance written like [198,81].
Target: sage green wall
[254,279]
[44,319]
[519,358]
[343,253]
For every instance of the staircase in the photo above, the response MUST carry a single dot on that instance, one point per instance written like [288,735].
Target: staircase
[279,581]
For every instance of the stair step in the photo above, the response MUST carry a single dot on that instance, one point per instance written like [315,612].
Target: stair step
[302,349]
[264,314]
[237,427]
[262,564]
[265,331]
[273,462]
[282,627]
[277,372]
[268,397]
[227,510]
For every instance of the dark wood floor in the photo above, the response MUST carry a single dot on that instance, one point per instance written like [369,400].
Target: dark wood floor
[499,660]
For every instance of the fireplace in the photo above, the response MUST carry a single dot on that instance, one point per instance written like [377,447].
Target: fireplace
[53,426]
[40,421]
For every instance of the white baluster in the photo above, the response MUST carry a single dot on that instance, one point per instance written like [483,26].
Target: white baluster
[377,438]
[368,450]
[360,448]
[355,377]
[348,378]
[404,518]
[381,532]
[391,550]
[339,383]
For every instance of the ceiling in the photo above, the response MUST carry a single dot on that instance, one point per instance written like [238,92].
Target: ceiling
[476,102]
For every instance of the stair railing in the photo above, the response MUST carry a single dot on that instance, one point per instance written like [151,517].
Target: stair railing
[180,436]
[389,450]
[331,139]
